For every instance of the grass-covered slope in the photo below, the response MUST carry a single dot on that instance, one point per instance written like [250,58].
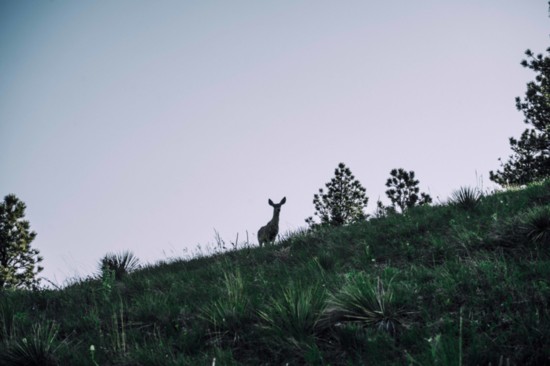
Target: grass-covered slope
[446,285]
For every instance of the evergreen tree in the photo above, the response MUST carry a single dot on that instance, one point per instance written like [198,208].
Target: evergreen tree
[531,153]
[18,261]
[343,202]
[403,191]
[383,211]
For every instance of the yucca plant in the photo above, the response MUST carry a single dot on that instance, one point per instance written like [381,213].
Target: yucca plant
[466,197]
[230,311]
[532,226]
[119,263]
[38,349]
[365,302]
[292,318]
[536,225]
[509,233]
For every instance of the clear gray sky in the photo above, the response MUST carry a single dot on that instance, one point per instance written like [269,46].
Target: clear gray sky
[144,125]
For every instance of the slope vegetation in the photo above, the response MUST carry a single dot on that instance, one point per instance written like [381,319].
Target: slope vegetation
[466,282]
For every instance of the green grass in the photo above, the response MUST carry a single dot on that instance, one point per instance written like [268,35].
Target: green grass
[463,283]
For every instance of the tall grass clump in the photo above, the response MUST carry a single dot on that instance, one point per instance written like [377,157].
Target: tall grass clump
[466,198]
[442,351]
[229,314]
[292,318]
[119,263]
[526,229]
[536,225]
[7,328]
[367,303]
[40,348]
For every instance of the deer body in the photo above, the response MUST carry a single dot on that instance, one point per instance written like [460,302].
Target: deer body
[268,233]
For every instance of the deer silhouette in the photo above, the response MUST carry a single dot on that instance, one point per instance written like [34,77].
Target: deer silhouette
[268,233]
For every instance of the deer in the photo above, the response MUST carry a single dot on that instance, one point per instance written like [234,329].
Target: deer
[268,233]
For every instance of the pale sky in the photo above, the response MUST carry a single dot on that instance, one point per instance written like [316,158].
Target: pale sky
[145,125]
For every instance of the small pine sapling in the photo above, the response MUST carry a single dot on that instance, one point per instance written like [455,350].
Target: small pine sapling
[342,203]
[403,191]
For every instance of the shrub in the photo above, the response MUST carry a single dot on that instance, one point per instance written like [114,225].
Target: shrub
[531,227]
[466,197]
[366,303]
[38,349]
[291,319]
[120,264]
[230,312]
[536,225]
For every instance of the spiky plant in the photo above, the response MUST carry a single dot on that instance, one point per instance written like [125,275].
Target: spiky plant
[292,318]
[119,263]
[466,197]
[38,349]
[365,302]
[229,312]
[532,226]
[536,225]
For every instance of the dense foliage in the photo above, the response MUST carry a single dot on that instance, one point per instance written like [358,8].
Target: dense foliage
[530,160]
[403,191]
[466,283]
[343,202]
[18,261]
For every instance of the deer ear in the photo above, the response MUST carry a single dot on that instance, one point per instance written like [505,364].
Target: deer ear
[283,201]
[270,202]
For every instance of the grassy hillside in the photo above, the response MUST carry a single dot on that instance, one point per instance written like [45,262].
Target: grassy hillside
[463,283]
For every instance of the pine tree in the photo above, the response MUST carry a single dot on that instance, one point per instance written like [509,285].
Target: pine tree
[343,202]
[18,261]
[383,211]
[530,160]
[403,191]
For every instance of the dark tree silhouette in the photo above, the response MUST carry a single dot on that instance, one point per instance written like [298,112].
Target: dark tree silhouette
[530,160]
[403,191]
[18,261]
[342,203]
